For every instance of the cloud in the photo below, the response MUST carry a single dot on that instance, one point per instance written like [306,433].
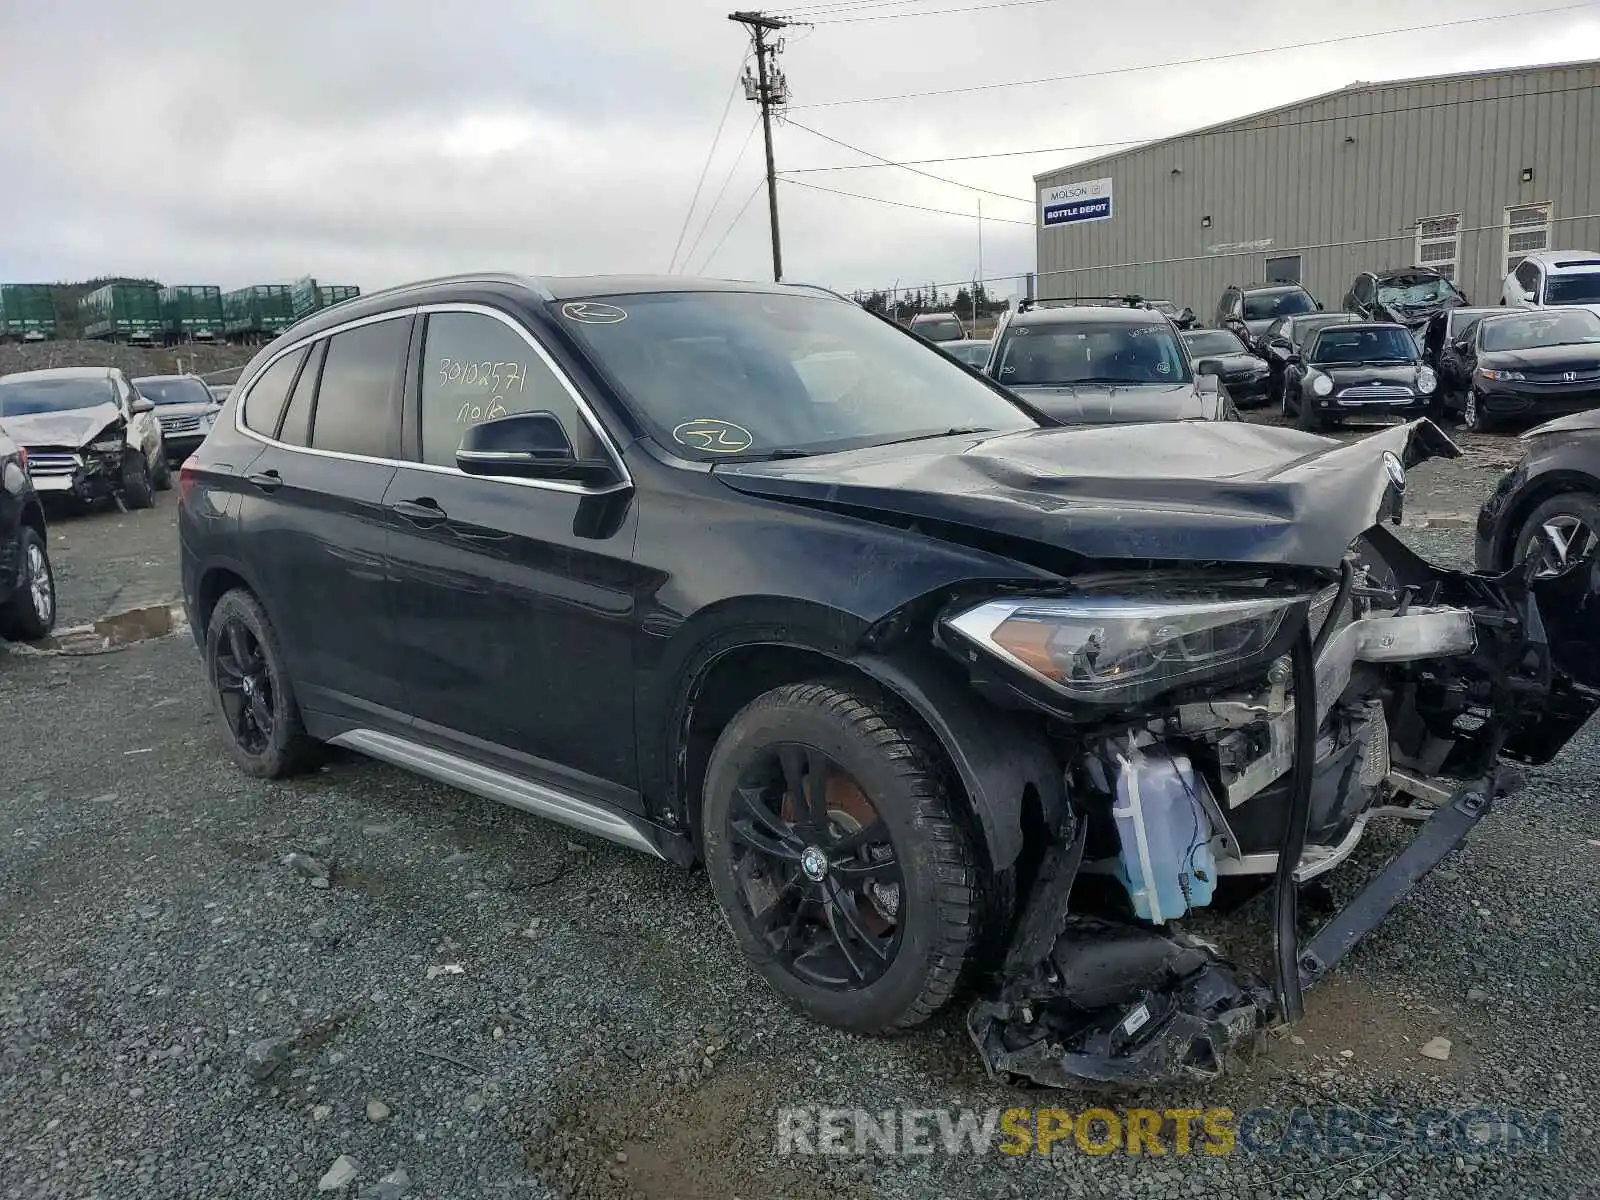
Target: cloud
[373,142]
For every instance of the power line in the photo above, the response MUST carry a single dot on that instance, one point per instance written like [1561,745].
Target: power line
[906,167]
[1236,126]
[710,154]
[1206,59]
[805,10]
[722,191]
[944,212]
[754,192]
[935,12]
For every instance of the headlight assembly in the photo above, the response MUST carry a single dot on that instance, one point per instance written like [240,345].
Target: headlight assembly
[1506,376]
[1116,649]
[1426,380]
[108,445]
[1322,385]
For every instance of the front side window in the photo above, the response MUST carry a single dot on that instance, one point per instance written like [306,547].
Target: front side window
[21,397]
[354,412]
[1342,345]
[714,374]
[1569,327]
[1091,352]
[1261,306]
[1205,342]
[477,368]
[263,403]
[1582,287]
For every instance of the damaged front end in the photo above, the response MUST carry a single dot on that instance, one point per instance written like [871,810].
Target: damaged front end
[1250,724]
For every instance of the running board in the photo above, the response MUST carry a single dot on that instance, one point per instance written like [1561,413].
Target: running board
[537,798]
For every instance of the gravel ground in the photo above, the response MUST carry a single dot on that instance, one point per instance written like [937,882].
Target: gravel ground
[492,1006]
[108,561]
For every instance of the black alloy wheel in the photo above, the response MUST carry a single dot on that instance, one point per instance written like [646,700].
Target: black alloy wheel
[831,846]
[250,691]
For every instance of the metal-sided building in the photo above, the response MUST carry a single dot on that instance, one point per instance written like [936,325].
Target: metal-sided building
[1461,172]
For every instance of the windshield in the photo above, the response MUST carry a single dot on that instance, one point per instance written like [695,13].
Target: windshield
[20,397]
[1085,352]
[1581,288]
[1576,326]
[1303,328]
[174,391]
[714,374]
[938,329]
[1416,292]
[1263,306]
[1363,345]
[1212,341]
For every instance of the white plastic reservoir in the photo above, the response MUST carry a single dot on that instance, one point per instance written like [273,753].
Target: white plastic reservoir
[1166,861]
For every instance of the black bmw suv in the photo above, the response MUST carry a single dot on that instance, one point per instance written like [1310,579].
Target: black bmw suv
[744,575]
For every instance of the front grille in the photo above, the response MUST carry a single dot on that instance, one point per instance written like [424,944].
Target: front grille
[43,464]
[1561,376]
[1376,391]
[181,424]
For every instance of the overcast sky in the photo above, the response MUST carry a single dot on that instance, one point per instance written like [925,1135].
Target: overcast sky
[375,142]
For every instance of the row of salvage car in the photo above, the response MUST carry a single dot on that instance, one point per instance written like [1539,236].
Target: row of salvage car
[934,685]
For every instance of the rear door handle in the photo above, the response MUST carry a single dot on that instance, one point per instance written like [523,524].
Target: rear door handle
[267,481]
[424,510]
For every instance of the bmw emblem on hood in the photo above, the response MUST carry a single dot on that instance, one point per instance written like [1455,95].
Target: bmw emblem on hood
[1396,469]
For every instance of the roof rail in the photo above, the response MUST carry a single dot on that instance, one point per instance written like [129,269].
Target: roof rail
[1127,300]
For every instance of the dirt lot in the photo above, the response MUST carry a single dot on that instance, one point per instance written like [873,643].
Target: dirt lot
[497,1007]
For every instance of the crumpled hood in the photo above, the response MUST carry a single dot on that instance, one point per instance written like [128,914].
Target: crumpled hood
[1099,404]
[1222,491]
[73,428]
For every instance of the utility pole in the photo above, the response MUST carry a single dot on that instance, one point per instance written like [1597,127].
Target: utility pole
[980,267]
[769,88]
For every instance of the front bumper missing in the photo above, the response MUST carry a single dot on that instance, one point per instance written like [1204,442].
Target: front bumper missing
[1090,1001]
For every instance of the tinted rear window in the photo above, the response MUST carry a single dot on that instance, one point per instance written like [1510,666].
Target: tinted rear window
[355,412]
[939,329]
[263,403]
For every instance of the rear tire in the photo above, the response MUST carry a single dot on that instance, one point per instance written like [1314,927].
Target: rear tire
[250,690]
[783,914]
[137,489]
[30,613]
[1576,517]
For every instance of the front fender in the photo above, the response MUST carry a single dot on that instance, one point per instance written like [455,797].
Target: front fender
[997,759]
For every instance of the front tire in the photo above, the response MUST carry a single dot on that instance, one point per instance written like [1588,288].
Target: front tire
[1574,518]
[830,843]
[250,690]
[1310,418]
[30,613]
[137,489]
[1473,417]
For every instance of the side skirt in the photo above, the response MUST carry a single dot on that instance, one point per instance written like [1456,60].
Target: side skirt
[537,798]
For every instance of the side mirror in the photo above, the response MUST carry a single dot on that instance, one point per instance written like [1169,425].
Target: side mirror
[1319,305]
[142,404]
[1208,366]
[529,446]
[1462,346]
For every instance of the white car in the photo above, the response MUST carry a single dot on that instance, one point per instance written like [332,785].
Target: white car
[88,433]
[1555,278]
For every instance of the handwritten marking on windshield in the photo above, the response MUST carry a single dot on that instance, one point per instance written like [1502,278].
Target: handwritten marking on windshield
[714,436]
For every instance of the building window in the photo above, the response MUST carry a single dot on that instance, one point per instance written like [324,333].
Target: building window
[1439,244]
[1284,269]
[1527,230]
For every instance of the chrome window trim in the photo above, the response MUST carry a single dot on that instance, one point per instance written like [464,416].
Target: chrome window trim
[549,485]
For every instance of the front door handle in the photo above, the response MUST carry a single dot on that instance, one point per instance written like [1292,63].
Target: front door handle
[267,481]
[424,510]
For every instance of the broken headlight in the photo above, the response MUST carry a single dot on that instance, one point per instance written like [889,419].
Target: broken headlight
[1120,649]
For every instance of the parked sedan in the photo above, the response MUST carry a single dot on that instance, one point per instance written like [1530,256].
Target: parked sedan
[184,406]
[1286,337]
[1547,507]
[1360,369]
[1531,363]
[1409,296]
[1246,376]
[89,435]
